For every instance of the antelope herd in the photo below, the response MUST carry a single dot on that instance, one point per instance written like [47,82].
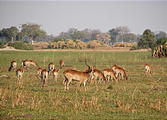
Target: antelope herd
[91,73]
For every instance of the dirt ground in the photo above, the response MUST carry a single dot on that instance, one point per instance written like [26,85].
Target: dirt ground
[116,49]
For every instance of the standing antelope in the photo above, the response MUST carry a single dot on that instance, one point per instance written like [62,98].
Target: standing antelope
[81,77]
[55,74]
[97,74]
[44,77]
[19,75]
[13,66]
[39,70]
[147,69]
[109,74]
[28,63]
[51,67]
[119,71]
[61,64]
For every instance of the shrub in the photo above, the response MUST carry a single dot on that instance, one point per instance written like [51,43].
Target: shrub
[2,45]
[21,45]
[95,44]
[134,48]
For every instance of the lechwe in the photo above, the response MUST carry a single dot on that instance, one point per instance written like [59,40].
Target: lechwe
[119,71]
[81,77]
[13,66]
[39,70]
[97,74]
[109,74]
[44,77]
[55,74]
[61,63]
[147,69]
[19,75]
[51,67]
[28,63]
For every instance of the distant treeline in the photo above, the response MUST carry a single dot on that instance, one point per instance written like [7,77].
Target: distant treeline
[34,33]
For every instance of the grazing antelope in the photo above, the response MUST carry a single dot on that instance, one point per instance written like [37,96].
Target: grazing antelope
[61,64]
[13,66]
[55,74]
[28,63]
[79,76]
[39,70]
[19,75]
[119,71]
[44,77]
[147,69]
[51,67]
[109,74]
[97,74]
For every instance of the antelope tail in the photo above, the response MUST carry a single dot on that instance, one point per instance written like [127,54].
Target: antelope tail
[10,68]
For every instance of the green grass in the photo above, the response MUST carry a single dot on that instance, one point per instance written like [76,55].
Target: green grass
[140,97]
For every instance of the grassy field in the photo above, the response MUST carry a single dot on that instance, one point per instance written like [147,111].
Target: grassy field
[140,97]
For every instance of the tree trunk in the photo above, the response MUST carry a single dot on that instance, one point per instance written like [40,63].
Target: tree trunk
[12,39]
[32,41]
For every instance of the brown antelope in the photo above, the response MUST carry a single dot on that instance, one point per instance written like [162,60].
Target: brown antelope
[39,70]
[97,74]
[119,71]
[13,66]
[19,75]
[44,77]
[147,69]
[79,76]
[109,74]
[61,64]
[51,67]
[28,63]
[55,74]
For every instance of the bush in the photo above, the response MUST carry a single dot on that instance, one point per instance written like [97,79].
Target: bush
[2,45]
[134,48]
[161,41]
[21,45]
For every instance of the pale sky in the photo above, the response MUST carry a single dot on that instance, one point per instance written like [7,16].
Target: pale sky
[59,16]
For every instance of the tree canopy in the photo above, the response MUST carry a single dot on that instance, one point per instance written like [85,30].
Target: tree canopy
[147,40]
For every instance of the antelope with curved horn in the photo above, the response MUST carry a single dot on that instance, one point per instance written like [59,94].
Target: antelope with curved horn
[81,77]
[13,66]
[119,71]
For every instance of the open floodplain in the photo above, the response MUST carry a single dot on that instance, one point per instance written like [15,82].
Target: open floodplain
[140,97]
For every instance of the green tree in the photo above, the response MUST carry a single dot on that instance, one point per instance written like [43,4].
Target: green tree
[32,31]
[9,33]
[113,33]
[161,34]
[147,40]
[130,37]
